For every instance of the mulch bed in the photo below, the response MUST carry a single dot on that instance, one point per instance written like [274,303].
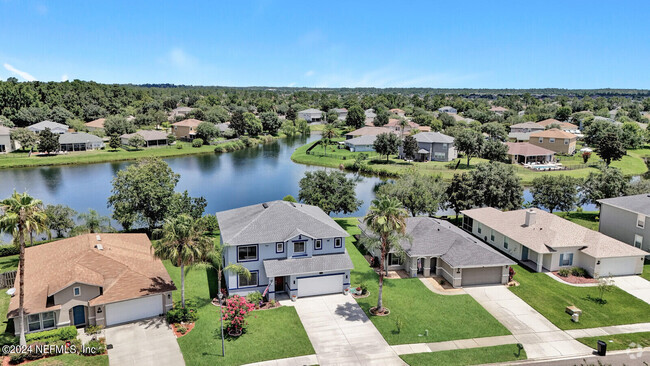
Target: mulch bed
[188,326]
[575,279]
[361,296]
[373,311]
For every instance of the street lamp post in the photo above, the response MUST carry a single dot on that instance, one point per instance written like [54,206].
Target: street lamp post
[223,347]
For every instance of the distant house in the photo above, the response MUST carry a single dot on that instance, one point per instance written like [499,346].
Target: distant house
[80,141]
[342,113]
[179,112]
[311,115]
[5,140]
[544,241]
[556,140]
[498,110]
[362,143]
[370,116]
[289,248]
[185,129]
[368,130]
[522,131]
[447,109]
[96,125]
[438,248]
[523,153]
[627,219]
[224,128]
[398,112]
[394,125]
[434,146]
[564,126]
[53,126]
[151,138]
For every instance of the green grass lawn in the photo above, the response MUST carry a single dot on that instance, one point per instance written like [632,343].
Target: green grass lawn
[470,356]
[631,164]
[619,342]
[587,219]
[72,360]
[646,272]
[8,263]
[445,317]
[271,334]
[551,297]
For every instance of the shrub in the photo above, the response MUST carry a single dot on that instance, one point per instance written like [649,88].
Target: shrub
[578,272]
[179,146]
[245,140]
[254,297]
[234,314]
[94,347]
[399,323]
[272,302]
[182,315]
[197,142]
[64,334]
[364,288]
[564,272]
[94,329]
[181,329]
[35,352]
[16,358]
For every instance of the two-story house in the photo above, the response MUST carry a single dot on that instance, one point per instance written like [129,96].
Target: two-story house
[185,129]
[92,279]
[289,248]
[556,140]
[522,131]
[627,219]
[544,241]
[433,146]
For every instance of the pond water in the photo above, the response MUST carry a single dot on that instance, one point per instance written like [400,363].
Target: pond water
[227,180]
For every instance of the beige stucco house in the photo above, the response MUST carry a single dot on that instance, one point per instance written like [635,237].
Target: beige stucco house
[556,140]
[185,129]
[92,279]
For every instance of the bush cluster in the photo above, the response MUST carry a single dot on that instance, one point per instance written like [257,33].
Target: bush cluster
[182,315]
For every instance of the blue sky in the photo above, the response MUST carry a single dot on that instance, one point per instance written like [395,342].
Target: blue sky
[475,44]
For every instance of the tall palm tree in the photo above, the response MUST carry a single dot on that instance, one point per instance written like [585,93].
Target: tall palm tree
[387,219]
[93,221]
[183,244]
[328,134]
[403,123]
[22,214]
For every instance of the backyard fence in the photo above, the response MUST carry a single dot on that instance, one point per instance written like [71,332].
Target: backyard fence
[7,279]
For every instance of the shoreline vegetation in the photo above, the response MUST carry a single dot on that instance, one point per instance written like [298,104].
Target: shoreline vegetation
[631,164]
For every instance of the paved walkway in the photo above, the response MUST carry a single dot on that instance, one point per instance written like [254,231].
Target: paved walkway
[436,288]
[613,329]
[341,333]
[293,361]
[146,342]
[540,338]
[635,285]
[405,349]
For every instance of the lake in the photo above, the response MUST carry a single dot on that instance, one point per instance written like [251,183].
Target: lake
[227,180]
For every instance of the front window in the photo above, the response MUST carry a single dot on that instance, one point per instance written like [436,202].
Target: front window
[338,243]
[551,140]
[638,241]
[640,221]
[566,141]
[299,247]
[566,259]
[318,244]
[394,260]
[479,228]
[491,235]
[34,322]
[505,242]
[76,291]
[248,282]
[48,320]
[247,253]
[279,247]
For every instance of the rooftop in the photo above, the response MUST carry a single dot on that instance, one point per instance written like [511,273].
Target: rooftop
[188,122]
[553,132]
[362,140]
[78,138]
[527,149]
[435,137]
[639,203]
[311,110]
[40,126]
[298,266]
[148,135]
[529,124]
[369,130]
[98,123]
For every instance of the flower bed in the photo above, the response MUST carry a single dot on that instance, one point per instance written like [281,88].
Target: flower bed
[579,280]
[182,329]
[385,311]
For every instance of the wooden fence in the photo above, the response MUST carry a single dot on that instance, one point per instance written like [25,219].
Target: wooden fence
[7,279]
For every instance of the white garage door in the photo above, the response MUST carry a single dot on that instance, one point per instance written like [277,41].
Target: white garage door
[618,266]
[320,285]
[130,310]
[481,276]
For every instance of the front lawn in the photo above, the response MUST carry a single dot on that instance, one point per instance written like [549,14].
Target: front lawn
[271,334]
[72,360]
[646,272]
[420,310]
[469,356]
[619,342]
[9,263]
[551,297]
[588,219]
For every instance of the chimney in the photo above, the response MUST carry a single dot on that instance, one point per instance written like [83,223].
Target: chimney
[530,217]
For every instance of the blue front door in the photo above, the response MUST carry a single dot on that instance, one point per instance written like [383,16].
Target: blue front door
[78,314]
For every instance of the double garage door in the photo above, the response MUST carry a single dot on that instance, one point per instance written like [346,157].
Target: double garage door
[130,310]
[619,266]
[481,276]
[321,285]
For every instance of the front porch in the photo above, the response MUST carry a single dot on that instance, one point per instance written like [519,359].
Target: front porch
[533,266]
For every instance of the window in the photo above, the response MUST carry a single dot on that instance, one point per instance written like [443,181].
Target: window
[247,253]
[566,259]
[551,140]
[248,282]
[34,322]
[318,244]
[541,140]
[338,243]
[48,320]
[505,242]
[299,247]
[279,247]
[76,291]
[566,141]
[638,241]
[439,155]
[479,228]
[2,148]
[394,260]
[444,146]
[491,235]
[640,221]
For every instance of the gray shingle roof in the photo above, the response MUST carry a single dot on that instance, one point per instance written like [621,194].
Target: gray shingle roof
[435,137]
[78,138]
[520,136]
[311,110]
[362,140]
[529,124]
[438,238]
[298,266]
[148,135]
[279,221]
[40,126]
[639,203]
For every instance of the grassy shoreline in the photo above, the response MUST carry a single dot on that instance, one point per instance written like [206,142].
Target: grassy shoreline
[631,164]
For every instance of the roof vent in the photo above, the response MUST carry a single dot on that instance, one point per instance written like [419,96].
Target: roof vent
[99,247]
[265,205]
[99,238]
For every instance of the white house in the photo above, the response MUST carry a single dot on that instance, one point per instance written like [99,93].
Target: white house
[311,115]
[53,126]
[447,109]
[5,140]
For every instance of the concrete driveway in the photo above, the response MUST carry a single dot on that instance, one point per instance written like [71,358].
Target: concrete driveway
[146,342]
[634,285]
[341,333]
[541,339]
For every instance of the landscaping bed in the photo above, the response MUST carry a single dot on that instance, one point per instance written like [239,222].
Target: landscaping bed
[575,279]
[182,329]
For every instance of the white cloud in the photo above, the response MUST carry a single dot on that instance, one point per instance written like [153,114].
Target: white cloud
[180,58]
[22,74]
[64,77]
[309,73]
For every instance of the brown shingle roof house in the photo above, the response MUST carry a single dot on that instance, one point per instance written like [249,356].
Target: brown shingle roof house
[95,125]
[186,129]
[563,125]
[555,139]
[92,279]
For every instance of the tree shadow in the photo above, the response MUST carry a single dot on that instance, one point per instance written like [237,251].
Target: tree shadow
[350,312]
[596,300]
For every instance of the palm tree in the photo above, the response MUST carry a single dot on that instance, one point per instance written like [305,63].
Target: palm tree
[387,219]
[328,134]
[183,244]
[93,221]
[403,123]
[22,214]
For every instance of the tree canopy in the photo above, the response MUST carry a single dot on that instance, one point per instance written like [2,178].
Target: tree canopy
[332,191]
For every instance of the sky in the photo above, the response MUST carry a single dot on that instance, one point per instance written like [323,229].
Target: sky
[440,44]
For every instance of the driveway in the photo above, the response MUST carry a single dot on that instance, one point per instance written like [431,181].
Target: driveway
[634,285]
[541,339]
[342,334]
[146,342]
